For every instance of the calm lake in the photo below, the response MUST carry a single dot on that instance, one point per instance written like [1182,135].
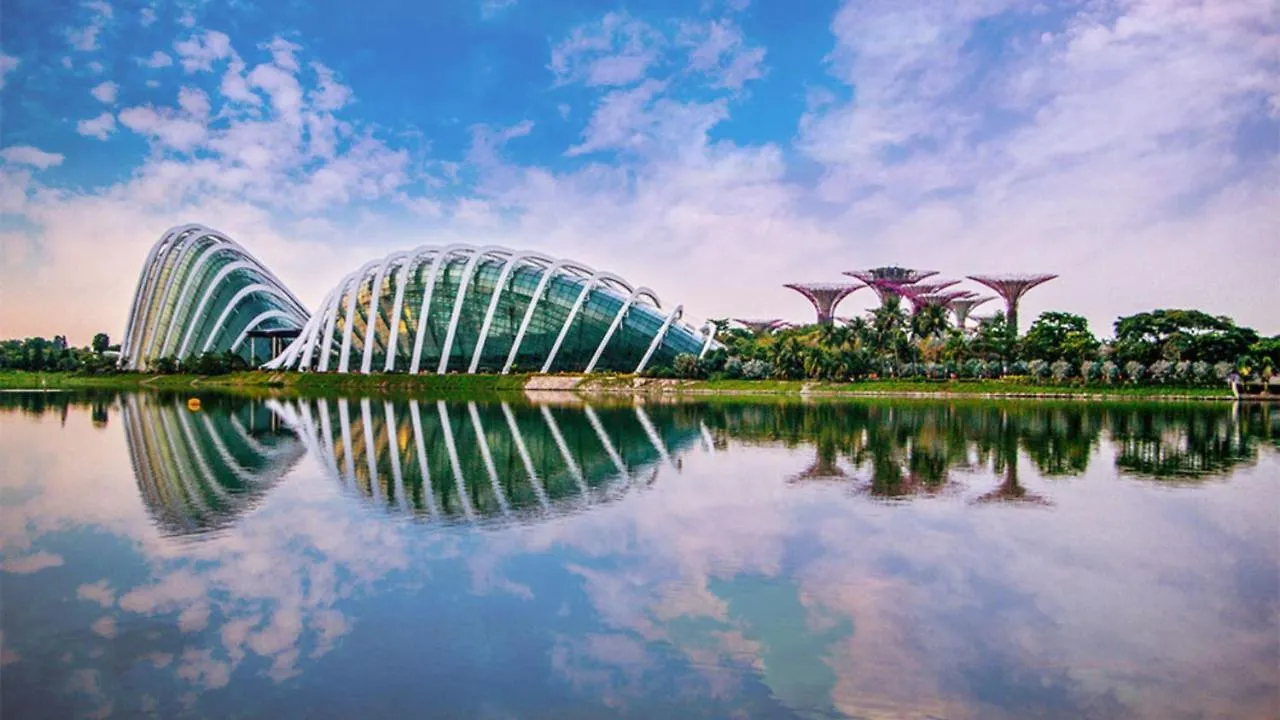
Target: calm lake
[884,559]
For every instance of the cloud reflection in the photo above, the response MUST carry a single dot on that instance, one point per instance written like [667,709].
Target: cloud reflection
[724,559]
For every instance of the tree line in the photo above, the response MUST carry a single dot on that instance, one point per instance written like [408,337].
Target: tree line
[1181,347]
[1174,347]
[100,357]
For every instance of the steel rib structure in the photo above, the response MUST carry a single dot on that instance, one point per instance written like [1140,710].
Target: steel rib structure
[453,308]
[200,292]
[474,462]
[463,308]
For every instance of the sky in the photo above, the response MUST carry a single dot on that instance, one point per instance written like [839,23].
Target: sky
[710,150]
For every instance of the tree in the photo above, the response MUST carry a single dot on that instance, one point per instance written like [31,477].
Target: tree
[930,321]
[1181,335]
[1059,336]
[992,337]
[100,343]
[889,328]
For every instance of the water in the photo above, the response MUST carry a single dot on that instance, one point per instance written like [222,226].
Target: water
[353,557]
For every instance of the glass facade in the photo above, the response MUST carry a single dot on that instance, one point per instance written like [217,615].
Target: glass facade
[457,308]
[200,292]
[488,309]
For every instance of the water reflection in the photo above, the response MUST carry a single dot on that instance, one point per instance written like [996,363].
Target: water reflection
[1168,445]
[198,471]
[394,557]
[467,461]
[906,449]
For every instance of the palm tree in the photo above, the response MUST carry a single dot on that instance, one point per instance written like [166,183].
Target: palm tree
[889,328]
[930,321]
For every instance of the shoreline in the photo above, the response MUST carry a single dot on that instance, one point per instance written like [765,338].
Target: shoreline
[292,383]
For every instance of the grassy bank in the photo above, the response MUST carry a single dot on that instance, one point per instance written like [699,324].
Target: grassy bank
[315,384]
[289,383]
[903,388]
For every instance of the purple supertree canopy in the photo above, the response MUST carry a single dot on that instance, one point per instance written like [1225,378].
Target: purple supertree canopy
[929,288]
[760,325]
[963,306]
[913,291]
[824,296]
[892,273]
[1012,287]
[938,298]
[877,278]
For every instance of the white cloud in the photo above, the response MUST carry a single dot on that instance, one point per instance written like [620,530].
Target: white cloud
[27,564]
[35,157]
[198,53]
[169,128]
[283,90]
[99,127]
[194,102]
[282,53]
[718,50]
[615,50]
[621,119]
[1124,143]
[99,592]
[147,16]
[157,59]
[329,94]
[8,64]
[492,8]
[234,87]
[1114,148]
[106,92]
[85,39]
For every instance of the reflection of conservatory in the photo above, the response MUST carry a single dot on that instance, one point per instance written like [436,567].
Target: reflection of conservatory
[198,472]
[471,460]
[455,308]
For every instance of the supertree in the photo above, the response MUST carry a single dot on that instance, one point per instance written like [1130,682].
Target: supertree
[824,296]
[875,277]
[1012,288]
[916,293]
[963,306]
[944,299]
[759,326]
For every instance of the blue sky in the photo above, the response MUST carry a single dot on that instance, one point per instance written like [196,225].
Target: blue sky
[711,150]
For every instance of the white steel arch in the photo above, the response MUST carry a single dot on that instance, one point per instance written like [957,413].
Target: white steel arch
[126,345]
[331,318]
[441,258]
[464,284]
[659,337]
[310,336]
[188,239]
[591,282]
[617,320]
[499,287]
[255,322]
[348,327]
[711,337]
[397,309]
[372,313]
[538,292]
[214,286]
[244,292]
[188,286]
[145,300]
